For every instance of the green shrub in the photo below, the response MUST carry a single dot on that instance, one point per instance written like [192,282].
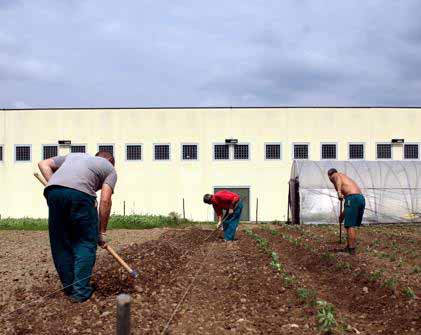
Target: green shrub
[325,316]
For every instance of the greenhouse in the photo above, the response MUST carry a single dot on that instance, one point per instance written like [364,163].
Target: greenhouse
[392,190]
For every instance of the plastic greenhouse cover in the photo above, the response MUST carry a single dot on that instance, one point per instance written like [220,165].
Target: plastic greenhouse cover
[392,190]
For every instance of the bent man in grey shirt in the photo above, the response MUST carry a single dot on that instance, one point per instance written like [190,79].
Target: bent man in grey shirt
[73,181]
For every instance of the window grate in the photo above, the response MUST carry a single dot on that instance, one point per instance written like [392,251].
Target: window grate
[134,152]
[221,151]
[107,148]
[241,151]
[411,151]
[384,151]
[23,153]
[189,151]
[329,151]
[49,151]
[356,151]
[273,151]
[300,151]
[78,149]
[162,152]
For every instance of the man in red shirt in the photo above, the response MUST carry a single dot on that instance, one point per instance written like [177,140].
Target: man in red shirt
[232,204]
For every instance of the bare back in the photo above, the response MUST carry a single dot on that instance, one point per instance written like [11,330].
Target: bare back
[345,185]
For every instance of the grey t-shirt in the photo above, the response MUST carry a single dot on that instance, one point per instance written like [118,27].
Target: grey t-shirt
[83,172]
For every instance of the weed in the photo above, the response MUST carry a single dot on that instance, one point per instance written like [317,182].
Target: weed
[325,316]
[409,293]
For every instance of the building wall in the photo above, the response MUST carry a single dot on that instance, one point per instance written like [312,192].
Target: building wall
[158,187]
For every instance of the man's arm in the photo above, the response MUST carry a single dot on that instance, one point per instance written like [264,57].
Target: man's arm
[338,186]
[105,204]
[47,168]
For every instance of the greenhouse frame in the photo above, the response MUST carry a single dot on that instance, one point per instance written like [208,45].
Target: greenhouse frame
[392,190]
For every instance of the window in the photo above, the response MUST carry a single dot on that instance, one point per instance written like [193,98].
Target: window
[384,151]
[1,153]
[329,151]
[241,151]
[78,149]
[49,151]
[356,151]
[106,147]
[221,151]
[162,152]
[189,151]
[23,153]
[272,151]
[133,152]
[411,151]
[300,151]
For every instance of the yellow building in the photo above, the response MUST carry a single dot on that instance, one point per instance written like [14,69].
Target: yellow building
[165,155]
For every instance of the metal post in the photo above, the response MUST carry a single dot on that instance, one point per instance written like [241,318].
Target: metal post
[124,208]
[123,314]
[184,211]
[257,210]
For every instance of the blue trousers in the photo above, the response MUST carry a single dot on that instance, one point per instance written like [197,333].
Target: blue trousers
[231,223]
[73,229]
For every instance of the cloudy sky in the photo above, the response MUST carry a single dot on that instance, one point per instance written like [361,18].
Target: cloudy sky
[138,53]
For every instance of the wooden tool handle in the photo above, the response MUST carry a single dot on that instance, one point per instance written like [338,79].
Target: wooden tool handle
[118,259]
[40,178]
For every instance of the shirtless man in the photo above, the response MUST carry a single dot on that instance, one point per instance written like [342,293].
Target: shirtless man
[354,205]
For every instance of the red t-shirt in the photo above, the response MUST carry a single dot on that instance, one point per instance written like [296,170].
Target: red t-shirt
[224,200]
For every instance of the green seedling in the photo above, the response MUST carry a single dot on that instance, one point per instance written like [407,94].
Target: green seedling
[289,280]
[307,296]
[275,262]
[343,266]
[325,316]
[391,283]
[376,275]
[416,269]
[409,293]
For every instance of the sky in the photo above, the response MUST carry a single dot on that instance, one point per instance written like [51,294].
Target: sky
[175,53]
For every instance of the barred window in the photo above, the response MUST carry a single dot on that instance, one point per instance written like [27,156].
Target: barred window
[78,149]
[49,151]
[133,152]
[221,151]
[189,151]
[23,153]
[241,151]
[356,151]
[329,151]
[300,151]
[384,151]
[1,153]
[411,151]
[108,148]
[273,151]
[162,152]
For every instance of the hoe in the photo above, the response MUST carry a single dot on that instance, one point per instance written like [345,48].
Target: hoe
[132,272]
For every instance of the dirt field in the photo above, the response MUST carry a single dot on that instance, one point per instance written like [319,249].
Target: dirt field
[234,287]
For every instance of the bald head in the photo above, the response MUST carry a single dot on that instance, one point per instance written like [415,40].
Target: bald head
[106,155]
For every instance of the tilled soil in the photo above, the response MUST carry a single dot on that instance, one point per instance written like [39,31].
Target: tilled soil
[228,288]
[362,303]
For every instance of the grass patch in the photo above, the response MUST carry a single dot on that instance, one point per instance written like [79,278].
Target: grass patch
[116,222]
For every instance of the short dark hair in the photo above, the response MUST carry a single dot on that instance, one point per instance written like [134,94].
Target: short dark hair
[331,172]
[207,198]
[108,156]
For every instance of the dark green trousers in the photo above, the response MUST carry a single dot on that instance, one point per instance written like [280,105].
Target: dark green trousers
[73,228]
